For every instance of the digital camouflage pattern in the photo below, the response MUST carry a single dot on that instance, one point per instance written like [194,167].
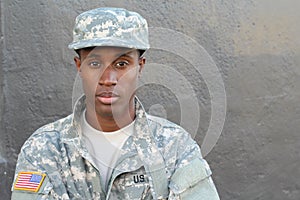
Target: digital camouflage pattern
[110,27]
[158,161]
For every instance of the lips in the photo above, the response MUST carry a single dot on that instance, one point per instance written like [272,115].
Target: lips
[107,97]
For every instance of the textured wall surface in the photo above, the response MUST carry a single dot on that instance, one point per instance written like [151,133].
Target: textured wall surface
[255,45]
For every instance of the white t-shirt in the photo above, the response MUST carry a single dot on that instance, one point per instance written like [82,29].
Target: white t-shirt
[104,147]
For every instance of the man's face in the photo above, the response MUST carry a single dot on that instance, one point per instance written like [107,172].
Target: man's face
[109,76]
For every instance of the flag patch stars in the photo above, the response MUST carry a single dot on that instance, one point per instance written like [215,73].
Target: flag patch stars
[29,181]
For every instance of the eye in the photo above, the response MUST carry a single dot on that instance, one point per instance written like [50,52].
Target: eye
[121,64]
[95,64]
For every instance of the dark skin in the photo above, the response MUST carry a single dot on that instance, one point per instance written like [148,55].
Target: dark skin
[109,76]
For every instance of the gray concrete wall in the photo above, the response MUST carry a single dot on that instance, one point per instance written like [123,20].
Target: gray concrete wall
[255,44]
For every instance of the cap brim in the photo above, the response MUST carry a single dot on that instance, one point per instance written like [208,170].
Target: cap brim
[108,42]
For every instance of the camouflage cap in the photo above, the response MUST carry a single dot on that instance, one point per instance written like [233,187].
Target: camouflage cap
[110,27]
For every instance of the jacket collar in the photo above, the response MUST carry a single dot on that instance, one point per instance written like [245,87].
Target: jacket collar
[72,134]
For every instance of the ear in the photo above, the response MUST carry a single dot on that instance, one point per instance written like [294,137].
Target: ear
[77,63]
[142,62]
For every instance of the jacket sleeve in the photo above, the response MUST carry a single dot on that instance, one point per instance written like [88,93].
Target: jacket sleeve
[193,182]
[25,164]
[191,179]
[39,156]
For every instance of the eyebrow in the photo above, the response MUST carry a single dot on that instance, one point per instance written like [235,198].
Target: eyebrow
[126,54]
[92,55]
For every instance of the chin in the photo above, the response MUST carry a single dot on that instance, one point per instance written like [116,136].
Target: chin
[104,110]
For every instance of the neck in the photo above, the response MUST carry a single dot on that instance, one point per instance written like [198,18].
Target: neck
[109,123]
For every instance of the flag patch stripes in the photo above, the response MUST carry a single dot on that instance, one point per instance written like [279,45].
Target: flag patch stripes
[29,181]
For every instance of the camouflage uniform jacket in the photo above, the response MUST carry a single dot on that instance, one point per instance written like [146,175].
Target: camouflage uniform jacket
[159,161]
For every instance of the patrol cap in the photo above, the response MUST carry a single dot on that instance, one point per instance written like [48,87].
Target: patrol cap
[115,27]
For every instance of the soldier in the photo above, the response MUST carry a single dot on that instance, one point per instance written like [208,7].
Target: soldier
[109,148]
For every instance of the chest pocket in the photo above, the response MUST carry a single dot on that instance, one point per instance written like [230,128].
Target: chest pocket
[134,185]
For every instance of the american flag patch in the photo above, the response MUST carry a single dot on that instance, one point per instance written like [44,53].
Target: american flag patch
[29,181]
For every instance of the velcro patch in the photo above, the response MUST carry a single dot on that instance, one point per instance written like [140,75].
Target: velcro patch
[29,181]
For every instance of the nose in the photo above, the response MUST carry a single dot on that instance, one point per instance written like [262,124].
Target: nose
[108,77]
